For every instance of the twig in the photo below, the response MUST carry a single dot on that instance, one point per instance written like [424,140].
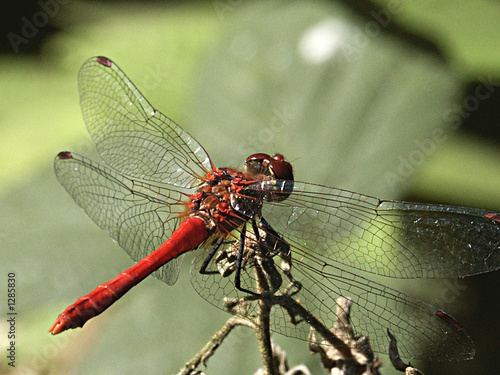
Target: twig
[263,328]
[341,352]
[361,360]
[396,360]
[209,349]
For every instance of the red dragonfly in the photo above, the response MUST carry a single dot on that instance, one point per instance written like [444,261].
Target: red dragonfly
[161,196]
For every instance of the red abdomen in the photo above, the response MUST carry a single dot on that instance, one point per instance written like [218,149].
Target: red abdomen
[191,233]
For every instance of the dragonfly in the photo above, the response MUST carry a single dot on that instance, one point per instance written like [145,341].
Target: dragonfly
[160,195]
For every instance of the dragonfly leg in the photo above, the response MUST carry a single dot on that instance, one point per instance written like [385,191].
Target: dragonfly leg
[239,261]
[268,226]
[203,268]
[282,249]
[280,243]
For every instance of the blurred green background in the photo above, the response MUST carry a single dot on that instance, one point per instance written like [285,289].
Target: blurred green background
[358,97]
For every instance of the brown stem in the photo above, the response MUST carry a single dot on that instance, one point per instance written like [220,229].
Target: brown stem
[263,329]
[209,349]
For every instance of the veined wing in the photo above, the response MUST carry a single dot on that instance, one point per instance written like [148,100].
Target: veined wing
[389,238]
[140,216]
[132,136]
[422,330]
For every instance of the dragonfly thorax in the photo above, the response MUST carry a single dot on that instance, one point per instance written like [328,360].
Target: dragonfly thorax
[219,199]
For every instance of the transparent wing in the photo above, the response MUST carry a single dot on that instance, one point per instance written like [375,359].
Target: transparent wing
[389,238]
[140,216]
[131,136]
[422,330]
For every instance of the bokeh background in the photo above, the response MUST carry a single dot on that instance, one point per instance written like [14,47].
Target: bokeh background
[398,99]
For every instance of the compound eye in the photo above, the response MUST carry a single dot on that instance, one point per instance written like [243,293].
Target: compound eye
[258,164]
[259,157]
[280,169]
[275,166]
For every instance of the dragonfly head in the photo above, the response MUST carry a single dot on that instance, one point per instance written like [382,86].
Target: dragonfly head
[273,166]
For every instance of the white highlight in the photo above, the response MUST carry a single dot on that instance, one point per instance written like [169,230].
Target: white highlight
[322,41]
